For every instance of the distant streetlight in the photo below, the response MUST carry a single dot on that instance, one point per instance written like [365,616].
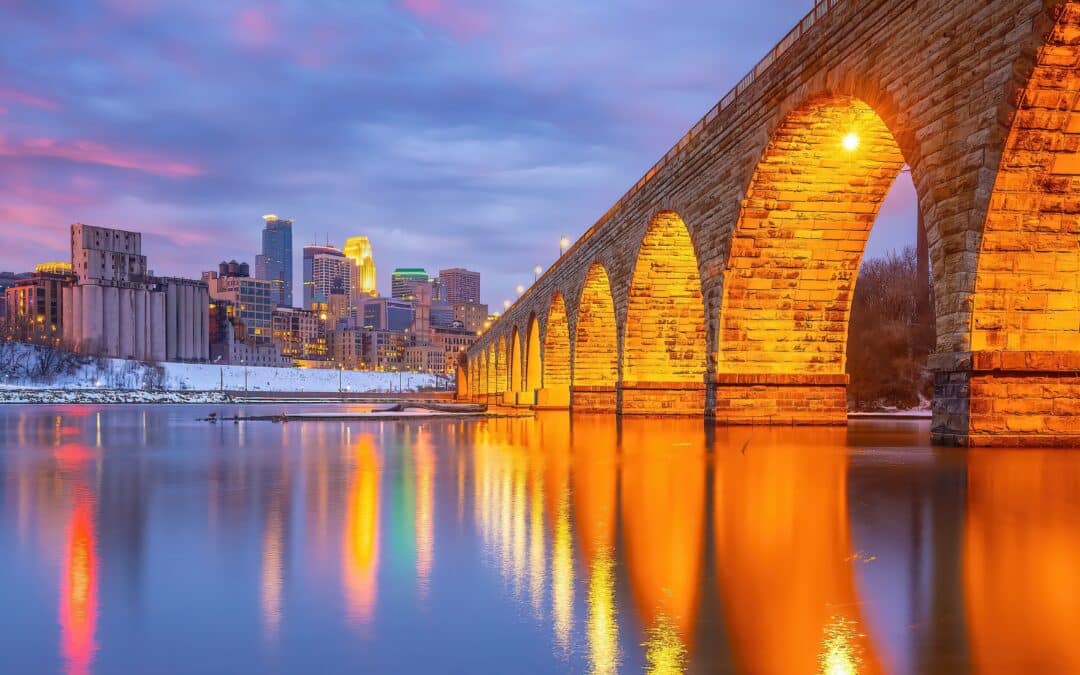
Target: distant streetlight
[564,244]
[851,142]
[520,289]
[537,271]
[506,304]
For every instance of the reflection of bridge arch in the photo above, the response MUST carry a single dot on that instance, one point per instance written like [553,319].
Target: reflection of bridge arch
[777,206]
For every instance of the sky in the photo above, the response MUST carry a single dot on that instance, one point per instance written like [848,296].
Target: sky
[453,133]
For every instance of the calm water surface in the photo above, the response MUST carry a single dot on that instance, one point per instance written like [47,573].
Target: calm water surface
[136,540]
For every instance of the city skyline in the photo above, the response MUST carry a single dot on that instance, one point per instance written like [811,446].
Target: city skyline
[520,151]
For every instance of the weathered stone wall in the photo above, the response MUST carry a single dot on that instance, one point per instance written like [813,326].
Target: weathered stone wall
[956,90]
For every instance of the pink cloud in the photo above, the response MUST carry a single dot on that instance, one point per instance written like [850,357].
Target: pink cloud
[254,27]
[462,22]
[26,98]
[89,152]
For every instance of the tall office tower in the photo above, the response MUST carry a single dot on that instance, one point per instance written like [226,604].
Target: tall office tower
[402,279]
[275,262]
[328,273]
[460,285]
[358,249]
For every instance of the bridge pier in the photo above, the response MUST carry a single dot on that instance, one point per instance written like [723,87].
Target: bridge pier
[1007,399]
[663,398]
[553,398]
[774,398]
[593,399]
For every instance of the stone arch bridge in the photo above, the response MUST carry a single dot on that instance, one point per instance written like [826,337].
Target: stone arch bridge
[721,283]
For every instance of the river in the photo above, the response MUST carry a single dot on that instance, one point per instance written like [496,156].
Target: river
[135,539]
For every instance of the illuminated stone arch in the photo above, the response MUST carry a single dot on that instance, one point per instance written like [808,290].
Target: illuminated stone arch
[513,368]
[534,373]
[1027,288]
[665,352]
[489,369]
[794,259]
[500,365]
[557,344]
[596,348]
[556,357]
[462,379]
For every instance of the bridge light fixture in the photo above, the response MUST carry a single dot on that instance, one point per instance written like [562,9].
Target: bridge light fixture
[506,304]
[564,243]
[520,289]
[851,142]
[537,271]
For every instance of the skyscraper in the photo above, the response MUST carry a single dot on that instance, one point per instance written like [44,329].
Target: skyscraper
[402,278]
[329,276]
[461,285]
[275,262]
[359,250]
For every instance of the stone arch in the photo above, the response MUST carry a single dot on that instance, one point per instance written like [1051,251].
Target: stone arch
[462,379]
[557,344]
[500,365]
[794,259]
[533,367]
[556,361]
[1027,285]
[665,345]
[490,368]
[596,356]
[513,367]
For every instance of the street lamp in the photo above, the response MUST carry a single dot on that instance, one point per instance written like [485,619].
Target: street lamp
[537,271]
[564,243]
[520,289]
[506,304]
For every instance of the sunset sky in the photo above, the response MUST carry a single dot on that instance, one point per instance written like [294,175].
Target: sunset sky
[451,132]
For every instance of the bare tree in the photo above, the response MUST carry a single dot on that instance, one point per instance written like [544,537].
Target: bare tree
[889,337]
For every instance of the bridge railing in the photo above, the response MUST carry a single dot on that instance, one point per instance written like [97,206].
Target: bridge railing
[820,10]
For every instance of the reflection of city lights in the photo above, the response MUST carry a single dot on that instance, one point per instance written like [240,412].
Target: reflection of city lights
[272,572]
[851,142]
[361,543]
[425,507]
[78,593]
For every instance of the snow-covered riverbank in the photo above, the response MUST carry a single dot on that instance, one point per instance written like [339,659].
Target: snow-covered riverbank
[28,369]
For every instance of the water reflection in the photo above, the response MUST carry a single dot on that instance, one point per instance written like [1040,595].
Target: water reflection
[1021,554]
[784,555]
[555,544]
[362,528]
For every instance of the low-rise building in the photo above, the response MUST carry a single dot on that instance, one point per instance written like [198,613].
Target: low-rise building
[424,358]
[252,301]
[472,315]
[453,342]
[35,304]
[299,333]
